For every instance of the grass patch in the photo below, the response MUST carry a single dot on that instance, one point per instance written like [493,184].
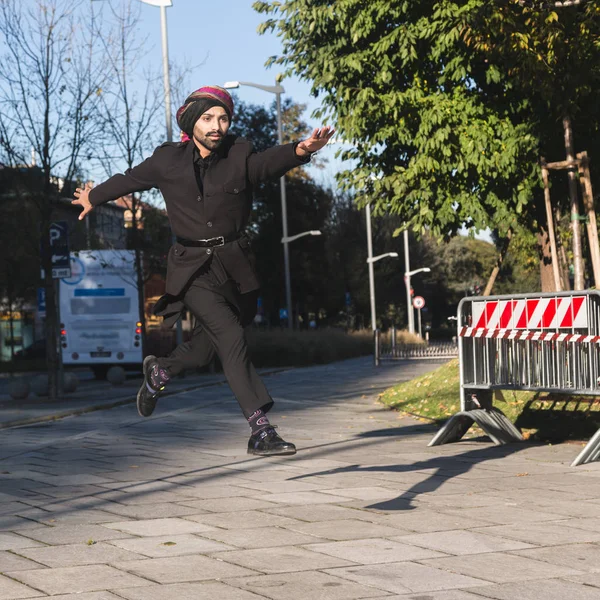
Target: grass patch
[540,416]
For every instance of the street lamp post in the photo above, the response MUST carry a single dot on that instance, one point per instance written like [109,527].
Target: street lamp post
[370,260]
[287,240]
[277,89]
[410,315]
[407,276]
[163,4]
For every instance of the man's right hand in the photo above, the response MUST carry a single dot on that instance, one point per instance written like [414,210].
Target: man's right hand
[82,198]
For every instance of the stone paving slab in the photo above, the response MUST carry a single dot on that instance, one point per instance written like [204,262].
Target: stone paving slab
[549,589]
[426,520]
[183,568]
[244,519]
[445,595]
[286,559]
[13,590]
[347,529]
[222,505]
[298,586]
[462,542]
[76,555]
[73,534]
[321,512]
[373,551]
[506,514]
[87,596]
[261,537]
[10,561]
[189,591]
[500,567]
[575,556]
[550,534]
[11,541]
[74,580]
[405,577]
[37,517]
[157,527]
[170,545]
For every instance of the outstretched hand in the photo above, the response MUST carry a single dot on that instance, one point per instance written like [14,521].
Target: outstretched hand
[317,140]
[82,198]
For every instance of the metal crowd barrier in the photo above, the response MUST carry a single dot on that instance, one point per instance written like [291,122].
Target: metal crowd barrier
[537,342]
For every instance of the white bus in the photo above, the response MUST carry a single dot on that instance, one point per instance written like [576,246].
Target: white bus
[99,310]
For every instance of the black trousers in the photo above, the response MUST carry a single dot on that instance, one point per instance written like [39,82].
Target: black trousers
[219,329]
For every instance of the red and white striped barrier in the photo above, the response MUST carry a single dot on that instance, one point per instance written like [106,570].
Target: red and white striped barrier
[535,342]
[517,334]
[535,313]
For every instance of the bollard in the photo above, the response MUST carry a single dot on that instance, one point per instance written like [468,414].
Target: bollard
[393,340]
[116,375]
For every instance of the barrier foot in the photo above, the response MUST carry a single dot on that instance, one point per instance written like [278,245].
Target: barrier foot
[493,422]
[590,453]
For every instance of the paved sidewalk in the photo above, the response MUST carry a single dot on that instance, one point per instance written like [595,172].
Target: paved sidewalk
[108,506]
[92,395]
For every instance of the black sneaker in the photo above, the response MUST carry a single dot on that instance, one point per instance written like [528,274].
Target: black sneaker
[268,443]
[147,396]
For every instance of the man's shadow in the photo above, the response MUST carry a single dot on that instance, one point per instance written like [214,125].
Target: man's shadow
[457,465]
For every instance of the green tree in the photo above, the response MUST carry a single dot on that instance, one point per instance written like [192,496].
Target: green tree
[440,99]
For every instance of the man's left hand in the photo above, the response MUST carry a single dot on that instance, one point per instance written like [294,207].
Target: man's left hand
[318,139]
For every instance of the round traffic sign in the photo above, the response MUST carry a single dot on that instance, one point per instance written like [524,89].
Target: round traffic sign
[419,302]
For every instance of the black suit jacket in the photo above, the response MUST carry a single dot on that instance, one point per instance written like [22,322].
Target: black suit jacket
[223,209]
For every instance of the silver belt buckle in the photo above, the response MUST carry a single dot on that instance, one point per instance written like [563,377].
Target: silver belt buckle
[222,238]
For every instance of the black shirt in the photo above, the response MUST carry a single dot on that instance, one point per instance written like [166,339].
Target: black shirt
[201,166]
[212,274]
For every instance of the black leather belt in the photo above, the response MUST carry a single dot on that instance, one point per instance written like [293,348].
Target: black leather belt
[220,240]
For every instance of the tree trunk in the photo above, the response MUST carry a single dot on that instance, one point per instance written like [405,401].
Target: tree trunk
[546,274]
[550,224]
[11,323]
[575,224]
[139,269]
[51,322]
[562,255]
[496,269]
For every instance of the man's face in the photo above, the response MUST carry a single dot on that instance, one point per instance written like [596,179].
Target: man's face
[211,127]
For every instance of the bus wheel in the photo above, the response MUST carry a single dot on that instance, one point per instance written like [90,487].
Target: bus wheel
[100,371]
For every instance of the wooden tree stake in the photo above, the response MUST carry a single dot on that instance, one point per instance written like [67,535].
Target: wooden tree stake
[550,220]
[588,202]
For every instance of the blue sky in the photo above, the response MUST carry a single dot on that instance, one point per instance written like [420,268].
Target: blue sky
[221,36]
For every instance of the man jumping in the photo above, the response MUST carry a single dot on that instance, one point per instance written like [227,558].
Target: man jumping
[207,183]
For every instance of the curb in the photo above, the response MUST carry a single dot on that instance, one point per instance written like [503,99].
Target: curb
[96,407]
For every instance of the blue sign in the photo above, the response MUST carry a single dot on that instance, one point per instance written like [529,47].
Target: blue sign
[77,271]
[104,292]
[41,301]
[283,314]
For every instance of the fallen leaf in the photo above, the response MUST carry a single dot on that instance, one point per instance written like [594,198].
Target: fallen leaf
[169,544]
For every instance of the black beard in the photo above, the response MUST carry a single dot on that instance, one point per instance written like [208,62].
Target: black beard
[208,143]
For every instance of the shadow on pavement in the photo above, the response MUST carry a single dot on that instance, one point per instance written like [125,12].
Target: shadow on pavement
[445,468]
